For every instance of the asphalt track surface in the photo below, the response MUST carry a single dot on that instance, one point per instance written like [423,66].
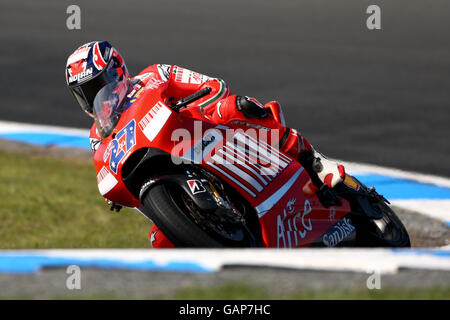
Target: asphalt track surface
[278,283]
[379,97]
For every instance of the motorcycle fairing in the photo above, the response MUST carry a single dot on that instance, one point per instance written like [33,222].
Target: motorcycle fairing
[269,180]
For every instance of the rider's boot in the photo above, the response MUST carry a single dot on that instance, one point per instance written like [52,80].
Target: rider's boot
[321,169]
[324,173]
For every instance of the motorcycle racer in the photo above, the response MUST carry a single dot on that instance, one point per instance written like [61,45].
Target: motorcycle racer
[97,77]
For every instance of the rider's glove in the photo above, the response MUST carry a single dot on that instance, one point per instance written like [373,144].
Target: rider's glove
[113,206]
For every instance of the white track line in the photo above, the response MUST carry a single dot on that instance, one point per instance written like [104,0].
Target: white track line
[438,209]
[17,127]
[357,260]
[361,168]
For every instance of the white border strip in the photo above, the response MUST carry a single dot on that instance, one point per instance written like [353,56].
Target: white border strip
[17,127]
[357,260]
[438,209]
[362,168]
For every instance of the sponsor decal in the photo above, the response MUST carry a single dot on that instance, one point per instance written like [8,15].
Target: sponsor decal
[105,181]
[291,227]
[79,54]
[188,76]
[164,71]
[143,76]
[341,230]
[332,214]
[196,186]
[117,149]
[204,142]
[152,123]
[153,83]
[134,95]
[81,75]
[350,182]
[290,205]
[203,146]
[250,163]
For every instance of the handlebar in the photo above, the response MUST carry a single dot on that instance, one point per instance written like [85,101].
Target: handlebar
[183,102]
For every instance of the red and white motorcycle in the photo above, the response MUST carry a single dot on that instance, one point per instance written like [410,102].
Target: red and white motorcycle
[216,189]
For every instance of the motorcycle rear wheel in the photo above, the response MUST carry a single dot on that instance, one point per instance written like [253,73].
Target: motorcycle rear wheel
[388,231]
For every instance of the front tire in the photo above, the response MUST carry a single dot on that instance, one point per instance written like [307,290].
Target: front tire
[165,206]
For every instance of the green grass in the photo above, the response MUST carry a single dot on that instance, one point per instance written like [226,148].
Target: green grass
[46,202]
[239,291]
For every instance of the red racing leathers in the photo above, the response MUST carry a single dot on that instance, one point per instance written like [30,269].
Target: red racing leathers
[219,107]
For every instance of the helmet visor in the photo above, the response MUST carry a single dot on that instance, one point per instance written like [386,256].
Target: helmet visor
[109,105]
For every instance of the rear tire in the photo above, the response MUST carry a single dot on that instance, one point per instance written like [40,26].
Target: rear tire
[388,231]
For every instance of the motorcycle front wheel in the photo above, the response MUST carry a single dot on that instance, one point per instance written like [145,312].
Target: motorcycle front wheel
[184,225]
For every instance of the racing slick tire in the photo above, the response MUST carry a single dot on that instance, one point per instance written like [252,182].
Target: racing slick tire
[164,205]
[388,231]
